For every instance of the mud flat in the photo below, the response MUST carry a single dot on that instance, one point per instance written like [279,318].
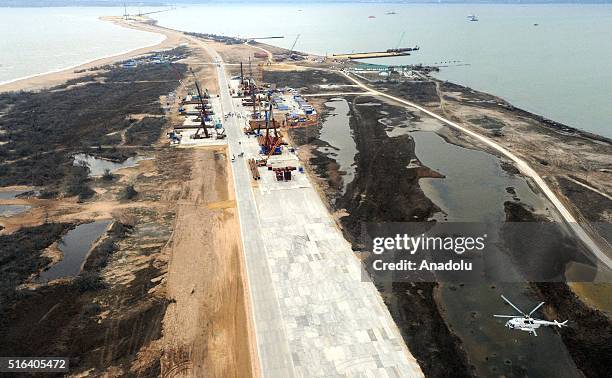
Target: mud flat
[575,164]
[561,153]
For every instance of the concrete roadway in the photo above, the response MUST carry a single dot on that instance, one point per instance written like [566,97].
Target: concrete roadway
[272,348]
[314,313]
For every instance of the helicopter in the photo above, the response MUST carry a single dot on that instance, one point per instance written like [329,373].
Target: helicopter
[526,322]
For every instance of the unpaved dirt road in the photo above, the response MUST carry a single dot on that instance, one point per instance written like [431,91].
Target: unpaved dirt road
[206,328]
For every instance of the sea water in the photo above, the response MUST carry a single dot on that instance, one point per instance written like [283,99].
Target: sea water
[559,68]
[39,40]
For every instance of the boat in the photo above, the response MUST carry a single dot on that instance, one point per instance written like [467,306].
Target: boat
[392,12]
[403,49]
[472,17]
[371,16]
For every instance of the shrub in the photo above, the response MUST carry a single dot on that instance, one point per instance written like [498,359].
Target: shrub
[130,192]
[108,175]
[77,181]
[88,282]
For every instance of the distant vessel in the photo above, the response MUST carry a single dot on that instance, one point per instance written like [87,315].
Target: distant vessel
[371,16]
[472,17]
[403,49]
[378,54]
[392,12]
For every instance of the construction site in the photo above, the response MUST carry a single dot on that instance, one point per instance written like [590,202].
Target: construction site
[267,113]
[234,238]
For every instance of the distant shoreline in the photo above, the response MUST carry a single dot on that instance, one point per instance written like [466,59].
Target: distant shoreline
[52,78]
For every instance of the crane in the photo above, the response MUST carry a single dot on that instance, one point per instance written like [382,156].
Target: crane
[203,113]
[294,43]
[400,40]
[140,14]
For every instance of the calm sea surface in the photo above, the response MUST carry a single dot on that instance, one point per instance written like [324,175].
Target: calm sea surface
[39,40]
[561,68]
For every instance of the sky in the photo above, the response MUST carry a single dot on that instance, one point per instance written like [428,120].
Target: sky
[22,3]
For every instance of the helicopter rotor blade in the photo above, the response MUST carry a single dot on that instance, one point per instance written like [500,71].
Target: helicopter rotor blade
[536,307]
[512,304]
[505,316]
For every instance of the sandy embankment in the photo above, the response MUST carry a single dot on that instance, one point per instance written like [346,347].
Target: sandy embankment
[46,80]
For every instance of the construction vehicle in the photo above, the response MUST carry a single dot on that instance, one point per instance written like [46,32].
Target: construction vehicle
[219,130]
[175,137]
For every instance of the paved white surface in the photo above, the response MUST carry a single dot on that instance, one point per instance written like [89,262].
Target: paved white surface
[521,164]
[313,315]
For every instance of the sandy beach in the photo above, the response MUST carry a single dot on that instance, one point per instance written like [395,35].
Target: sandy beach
[47,80]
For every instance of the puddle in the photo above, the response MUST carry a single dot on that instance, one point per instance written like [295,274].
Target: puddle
[336,132]
[403,125]
[11,194]
[97,166]
[474,190]
[10,210]
[336,86]
[75,246]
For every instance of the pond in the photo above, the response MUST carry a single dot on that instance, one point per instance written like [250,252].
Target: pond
[75,247]
[98,166]
[336,132]
[10,210]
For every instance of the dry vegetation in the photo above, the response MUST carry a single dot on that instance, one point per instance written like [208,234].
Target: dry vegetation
[140,305]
